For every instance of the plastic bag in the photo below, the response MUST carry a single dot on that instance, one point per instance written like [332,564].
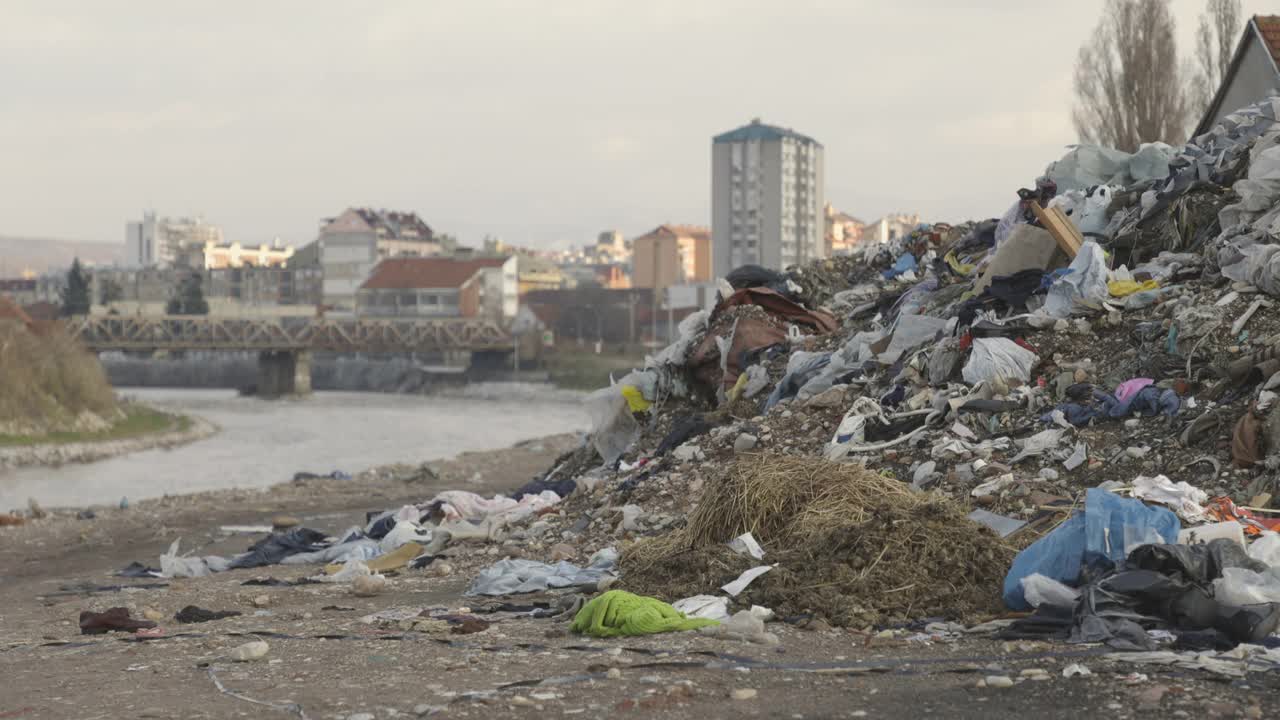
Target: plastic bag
[1266,549]
[1087,280]
[1240,587]
[998,357]
[1039,590]
[173,566]
[613,429]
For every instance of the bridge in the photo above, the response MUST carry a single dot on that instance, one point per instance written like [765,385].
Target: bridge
[284,345]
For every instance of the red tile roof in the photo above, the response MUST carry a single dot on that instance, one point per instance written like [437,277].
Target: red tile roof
[423,273]
[1269,28]
[698,232]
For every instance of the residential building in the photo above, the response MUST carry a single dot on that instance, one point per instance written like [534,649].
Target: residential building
[21,290]
[167,241]
[441,287]
[671,255]
[140,247]
[844,231]
[1253,75]
[889,228]
[351,244]
[536,273]
[583,275]
[254,285]
[235,255]
[766,198]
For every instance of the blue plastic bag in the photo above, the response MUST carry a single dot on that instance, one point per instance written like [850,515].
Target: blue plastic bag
[1103,534]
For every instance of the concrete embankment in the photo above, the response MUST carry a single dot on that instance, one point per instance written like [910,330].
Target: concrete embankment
[240,370]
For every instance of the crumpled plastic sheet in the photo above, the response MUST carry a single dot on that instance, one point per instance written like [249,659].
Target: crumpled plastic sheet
[361,549]
[998,358]
[1039,444]
[959,449]
[801,368]
[1266,549]
[1086,281]
[1258,265]
[613,429]
[690,329]
[174,566]
[1239,586]
[1236,663]
[513,576]
[1182,497]
[1039,590]
[708,607]
[1088,165]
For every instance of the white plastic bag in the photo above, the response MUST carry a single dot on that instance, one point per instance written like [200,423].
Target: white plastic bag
[1238,586]
[999,357]
[1086,281]
[1039,590]
[1266,549]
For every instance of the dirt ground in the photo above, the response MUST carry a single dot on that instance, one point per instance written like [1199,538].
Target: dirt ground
[325,661]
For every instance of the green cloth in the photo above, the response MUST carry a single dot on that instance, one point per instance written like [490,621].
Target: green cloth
[621,613]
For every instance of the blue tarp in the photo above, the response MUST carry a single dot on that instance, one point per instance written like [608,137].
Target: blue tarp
[1102,535]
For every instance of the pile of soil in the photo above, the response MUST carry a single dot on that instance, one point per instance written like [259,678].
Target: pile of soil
[851,546]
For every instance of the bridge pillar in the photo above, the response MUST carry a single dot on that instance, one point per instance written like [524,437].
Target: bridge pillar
[284,372]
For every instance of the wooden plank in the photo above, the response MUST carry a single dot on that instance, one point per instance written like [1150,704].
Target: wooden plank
[1064,231]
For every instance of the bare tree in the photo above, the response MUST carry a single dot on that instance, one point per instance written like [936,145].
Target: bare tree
[1128,86]
[1215,42]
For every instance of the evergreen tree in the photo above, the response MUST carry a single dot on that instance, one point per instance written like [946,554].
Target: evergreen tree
[75,296]
[188,297]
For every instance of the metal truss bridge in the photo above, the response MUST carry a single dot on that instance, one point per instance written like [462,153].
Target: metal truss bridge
[356,335]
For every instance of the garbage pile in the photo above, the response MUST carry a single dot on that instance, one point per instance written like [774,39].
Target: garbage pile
[941,403]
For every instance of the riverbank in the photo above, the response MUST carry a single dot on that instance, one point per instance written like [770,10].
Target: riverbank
[141,428]
[329,656]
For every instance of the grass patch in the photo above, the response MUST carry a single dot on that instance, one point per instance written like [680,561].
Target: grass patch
[139,421]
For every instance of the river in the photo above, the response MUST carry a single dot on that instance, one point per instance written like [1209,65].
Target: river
[265,442]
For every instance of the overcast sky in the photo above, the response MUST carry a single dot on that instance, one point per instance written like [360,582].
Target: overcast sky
[540,121]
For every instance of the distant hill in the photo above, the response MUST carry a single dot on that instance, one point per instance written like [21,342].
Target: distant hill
[42,255]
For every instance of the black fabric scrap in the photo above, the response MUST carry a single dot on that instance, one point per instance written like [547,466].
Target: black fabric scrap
[278,546]
[192,614]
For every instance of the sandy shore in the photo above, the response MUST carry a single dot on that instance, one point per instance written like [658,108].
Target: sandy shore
[53,454]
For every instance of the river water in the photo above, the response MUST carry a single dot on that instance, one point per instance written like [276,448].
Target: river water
[265,442]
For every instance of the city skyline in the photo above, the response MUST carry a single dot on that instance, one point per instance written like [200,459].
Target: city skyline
[541,127]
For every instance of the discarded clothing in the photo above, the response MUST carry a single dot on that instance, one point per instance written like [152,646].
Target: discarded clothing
[1148,401]
[192,614]
[619,613]
[455,505]
[137,569]
[1076,414]
[1129,388]
[115,619]
[509,577]
[278,546]
[904,264]
[562,488]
